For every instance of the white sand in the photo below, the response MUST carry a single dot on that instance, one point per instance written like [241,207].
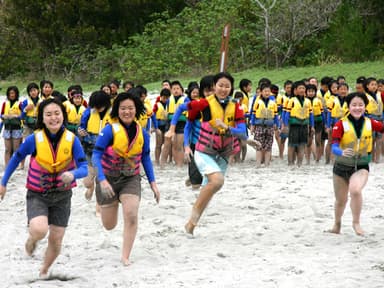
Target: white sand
[263,229]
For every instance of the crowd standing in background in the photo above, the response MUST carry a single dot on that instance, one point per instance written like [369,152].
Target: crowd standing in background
[106,140]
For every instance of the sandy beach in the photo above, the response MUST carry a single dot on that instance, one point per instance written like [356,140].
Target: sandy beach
[265,228]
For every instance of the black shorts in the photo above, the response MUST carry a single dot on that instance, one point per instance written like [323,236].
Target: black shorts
[319,126]
[179,129]
[345,171]
[298,135]
[55,205]
[120,185]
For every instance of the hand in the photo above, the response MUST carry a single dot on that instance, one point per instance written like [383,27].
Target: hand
[3,189]
[254,143]
[348,152]
[158,132]
[221,124]
[170,134]
[188,153]
[106,189]
[82,132]
[67,177]
[156,192]
[29,107]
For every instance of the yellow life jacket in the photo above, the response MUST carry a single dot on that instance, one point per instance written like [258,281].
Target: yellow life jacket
[265,112]
[143,119]
[14,110]
[217,112]
[362,146]
[120,140]
[74,115]
[299,111]
[161,114]
[245,100]
[334,106]
[33,112]
[317,107]
[375,107]
[172,106]
[95,124]
[54,161]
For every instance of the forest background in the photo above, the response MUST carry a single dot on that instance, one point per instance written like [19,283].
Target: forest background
[84,41]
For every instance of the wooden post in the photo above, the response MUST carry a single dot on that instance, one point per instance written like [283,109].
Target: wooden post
[224,48]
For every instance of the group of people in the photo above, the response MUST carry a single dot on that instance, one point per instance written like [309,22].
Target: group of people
[107,140]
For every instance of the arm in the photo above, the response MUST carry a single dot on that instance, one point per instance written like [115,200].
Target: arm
[146,158]
[102,142]
[26,148]
[187,133]
[80,159]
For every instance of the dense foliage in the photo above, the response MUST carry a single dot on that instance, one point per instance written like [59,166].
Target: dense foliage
[150,40]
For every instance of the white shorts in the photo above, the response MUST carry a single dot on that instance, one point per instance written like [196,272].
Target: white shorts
[208,164]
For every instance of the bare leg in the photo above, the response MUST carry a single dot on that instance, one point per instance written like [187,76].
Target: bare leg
[259,158]
[215,182]
[89,182]
[340,186]
[109,215]
[281,147]
[166,152]
[318,146]
[300,155]
[55,238]
[159,144]
[38,228]
[328,148]
[267,157]
[243,150]
[8,151]
[291,155]
[178,150]
[130,210]
[356,185]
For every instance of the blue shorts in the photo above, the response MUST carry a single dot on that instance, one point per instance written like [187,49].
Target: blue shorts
[208,164]
[12,134]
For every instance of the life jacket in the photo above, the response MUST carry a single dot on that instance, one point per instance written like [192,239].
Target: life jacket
[214,140]
[337,110]
[143,119]
[47,164]
[123,157]
[95,124]
[12,110]
[161,113]
[173,105]
[264,114]
[375,107]
[74,115]
[299,112]
[317,107]
[245,100]
[362,146]
[33,112]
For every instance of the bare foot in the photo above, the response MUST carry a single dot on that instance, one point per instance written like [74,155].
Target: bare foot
[358,230]
[43,275]
[189,227]
[30,246]
[126,262]
[335,229]
[88,194]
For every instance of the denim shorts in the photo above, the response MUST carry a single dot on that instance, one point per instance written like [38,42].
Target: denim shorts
[12,134]
[208,164]
[55,205]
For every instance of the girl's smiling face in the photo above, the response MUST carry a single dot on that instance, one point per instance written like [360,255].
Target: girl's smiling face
[223,88]
[127,111]
[357,107]
[53,117]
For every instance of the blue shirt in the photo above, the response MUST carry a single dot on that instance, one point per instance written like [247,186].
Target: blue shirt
[105,139]
[28,147]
